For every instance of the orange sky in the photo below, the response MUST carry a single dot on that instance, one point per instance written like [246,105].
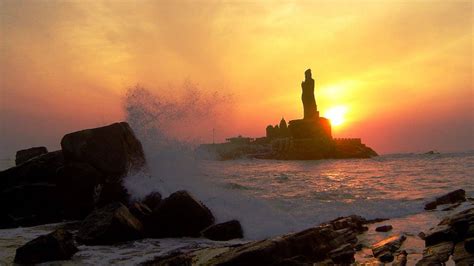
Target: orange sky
[402,70]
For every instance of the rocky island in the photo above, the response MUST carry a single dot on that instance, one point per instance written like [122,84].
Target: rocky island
[309,138]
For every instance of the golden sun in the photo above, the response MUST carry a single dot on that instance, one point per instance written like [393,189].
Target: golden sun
[336,115]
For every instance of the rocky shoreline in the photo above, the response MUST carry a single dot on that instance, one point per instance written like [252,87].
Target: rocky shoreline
[83,182]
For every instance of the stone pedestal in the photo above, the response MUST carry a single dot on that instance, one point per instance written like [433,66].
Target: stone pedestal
[315,128]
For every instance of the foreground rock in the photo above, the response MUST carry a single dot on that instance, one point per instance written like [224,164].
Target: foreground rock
[329,243]
[140,211]
[384,228]
[108,225]
[79,189]
[113,150]
[451,236]
[69,184]
[152,200]
[385,249]
[179,215]
[27,154]
[58,245]
[452,197]
[42,168]
[224,231]
[29,194]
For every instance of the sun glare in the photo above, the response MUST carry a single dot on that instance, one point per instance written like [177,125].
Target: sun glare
[336,115]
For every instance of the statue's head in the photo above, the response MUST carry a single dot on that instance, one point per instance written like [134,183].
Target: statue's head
[307,74]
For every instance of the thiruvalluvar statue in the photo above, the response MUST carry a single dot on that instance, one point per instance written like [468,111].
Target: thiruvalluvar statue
[309,102]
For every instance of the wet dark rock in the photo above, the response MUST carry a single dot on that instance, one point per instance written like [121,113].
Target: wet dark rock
[461,256]
[450,198]
[384,228]
[224,231]
[456,227]
[387,246]
[437,254]
[113,150]
[422,235]
[152,200]
[400,259]
[314,245]
[108,225]
[386,257]
[28,193]
[438,234]
[321,245]
[343,255]
[469,245]
[111,192]
[179,215]
[27,154]
[29,205]
[42,168]
[376,220]
[452,207]
[140,211]
[58,245]
[78,185]
[452,233]
[354,222]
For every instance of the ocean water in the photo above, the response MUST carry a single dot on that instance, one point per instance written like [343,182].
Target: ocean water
[316,191]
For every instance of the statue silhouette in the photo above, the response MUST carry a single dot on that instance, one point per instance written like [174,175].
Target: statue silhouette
[309,102]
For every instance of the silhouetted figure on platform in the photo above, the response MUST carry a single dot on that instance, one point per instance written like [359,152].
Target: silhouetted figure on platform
[309,102]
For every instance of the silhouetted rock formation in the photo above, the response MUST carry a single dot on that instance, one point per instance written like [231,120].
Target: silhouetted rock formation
[456,196]
[24,155]
[326,244]
[58,245]
[452,236]
[108,225]
[179,215]
[113,150]
[224,231]
[70,183]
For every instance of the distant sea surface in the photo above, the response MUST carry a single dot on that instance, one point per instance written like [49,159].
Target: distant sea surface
[386,186]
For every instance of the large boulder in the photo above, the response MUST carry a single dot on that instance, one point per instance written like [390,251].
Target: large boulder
[27,154]
[108,225]
[152,200]
[28,192]
[140,211]
[58,245]
[42,168]
[29,205]
[79,187]
[179,215]
[224,231]
[113,150]
[452,197]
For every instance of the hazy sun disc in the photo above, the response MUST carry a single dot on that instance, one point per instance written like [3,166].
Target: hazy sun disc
[336,115]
